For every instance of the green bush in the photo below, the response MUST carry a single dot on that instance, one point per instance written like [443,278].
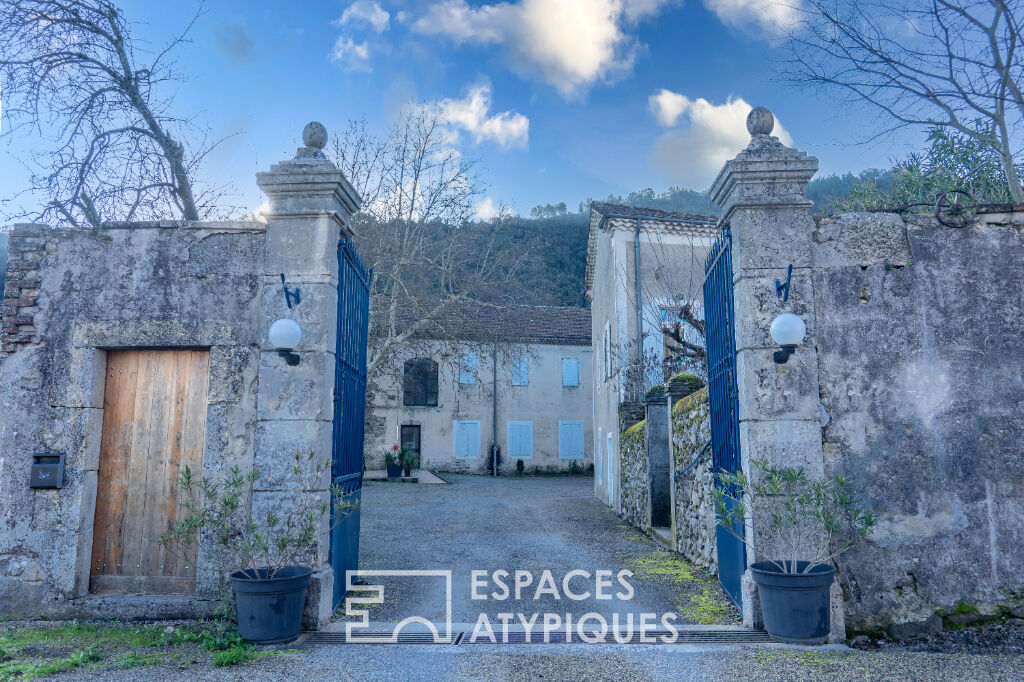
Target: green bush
[952,161]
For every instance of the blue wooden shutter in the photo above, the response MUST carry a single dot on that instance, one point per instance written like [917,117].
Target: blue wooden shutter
[570,440]
[467,369]
[467,438]
[520,439]
[521,372]
[570,372]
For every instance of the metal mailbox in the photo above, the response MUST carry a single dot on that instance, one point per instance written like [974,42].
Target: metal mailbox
[47,470]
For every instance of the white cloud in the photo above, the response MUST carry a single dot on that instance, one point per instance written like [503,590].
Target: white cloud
[715,133]
[570,44]
[471,113]
[772,17]
[354,56]
[486,210]
[641,9]
[365,13]
[668,106]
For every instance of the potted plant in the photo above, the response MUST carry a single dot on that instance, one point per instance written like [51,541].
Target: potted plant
[392,464]
[806,524]
[271,579]
[408,460]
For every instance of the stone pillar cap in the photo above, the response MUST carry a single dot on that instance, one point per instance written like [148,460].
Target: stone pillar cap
[655,395]
[764,163]
[309,183]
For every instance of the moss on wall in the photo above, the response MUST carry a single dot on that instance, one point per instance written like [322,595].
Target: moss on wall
[693,512]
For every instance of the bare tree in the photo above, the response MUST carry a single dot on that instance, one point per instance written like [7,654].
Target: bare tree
[71,72]
[938,63]
[671,304]
[417,230]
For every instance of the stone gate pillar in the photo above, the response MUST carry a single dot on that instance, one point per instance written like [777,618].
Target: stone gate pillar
[658,455]
[310,208]
[763,197]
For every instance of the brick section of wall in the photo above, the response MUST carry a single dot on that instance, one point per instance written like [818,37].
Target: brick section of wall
[26,247]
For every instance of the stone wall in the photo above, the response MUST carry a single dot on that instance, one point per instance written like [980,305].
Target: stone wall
[73,295]
[144,285]
[635,486]
[693,518]
[920,340]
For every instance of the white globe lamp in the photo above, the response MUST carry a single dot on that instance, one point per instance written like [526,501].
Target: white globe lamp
[788,331]
[285,335]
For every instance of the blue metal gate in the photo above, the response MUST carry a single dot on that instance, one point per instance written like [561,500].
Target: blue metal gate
[349,408]
[722,394]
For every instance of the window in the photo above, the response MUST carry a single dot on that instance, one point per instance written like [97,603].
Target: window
[521,372]
[419,383]
[570,372]
[467,369]
[467,438]
[520,439]
[570,440]
[600,457]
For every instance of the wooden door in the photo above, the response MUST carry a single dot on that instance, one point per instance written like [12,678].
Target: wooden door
[154,424]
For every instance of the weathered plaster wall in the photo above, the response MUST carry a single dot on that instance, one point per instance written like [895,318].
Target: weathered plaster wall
[920,337]
[544,401]
[148,285]
[693,519]
[671,264]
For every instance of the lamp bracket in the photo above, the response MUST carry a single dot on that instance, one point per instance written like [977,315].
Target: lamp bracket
[781,289]
[782,356]
[291,359]
[290,294]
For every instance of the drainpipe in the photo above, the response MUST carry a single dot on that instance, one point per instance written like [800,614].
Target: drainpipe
[494,413]
[639,300]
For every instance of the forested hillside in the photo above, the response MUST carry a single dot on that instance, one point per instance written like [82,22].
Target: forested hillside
[554,271]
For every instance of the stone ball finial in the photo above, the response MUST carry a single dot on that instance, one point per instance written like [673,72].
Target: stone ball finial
[314,135]
[760,121]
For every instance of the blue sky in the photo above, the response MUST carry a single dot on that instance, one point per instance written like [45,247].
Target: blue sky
[558,99]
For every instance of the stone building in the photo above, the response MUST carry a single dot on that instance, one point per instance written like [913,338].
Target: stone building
[521,377]
[640,263]
[131,350]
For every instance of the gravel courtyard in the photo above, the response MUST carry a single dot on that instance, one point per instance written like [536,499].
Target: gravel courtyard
[534,524]
[522,523]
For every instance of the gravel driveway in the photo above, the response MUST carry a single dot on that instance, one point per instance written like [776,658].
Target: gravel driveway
[523,523]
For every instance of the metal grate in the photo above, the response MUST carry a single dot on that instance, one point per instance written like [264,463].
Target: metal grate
[702,636]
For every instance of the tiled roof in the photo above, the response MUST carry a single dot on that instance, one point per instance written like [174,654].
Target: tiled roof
[667,222]
[633,212]
[547,325]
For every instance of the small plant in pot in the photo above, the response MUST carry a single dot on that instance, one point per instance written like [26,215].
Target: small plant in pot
[408,460]
[392,465]
[806,523]
[270,583]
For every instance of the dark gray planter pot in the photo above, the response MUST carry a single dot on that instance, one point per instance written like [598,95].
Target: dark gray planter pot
[795,606]
[394,471]
[270,609]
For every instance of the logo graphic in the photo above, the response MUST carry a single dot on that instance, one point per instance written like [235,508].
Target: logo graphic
[367,594]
